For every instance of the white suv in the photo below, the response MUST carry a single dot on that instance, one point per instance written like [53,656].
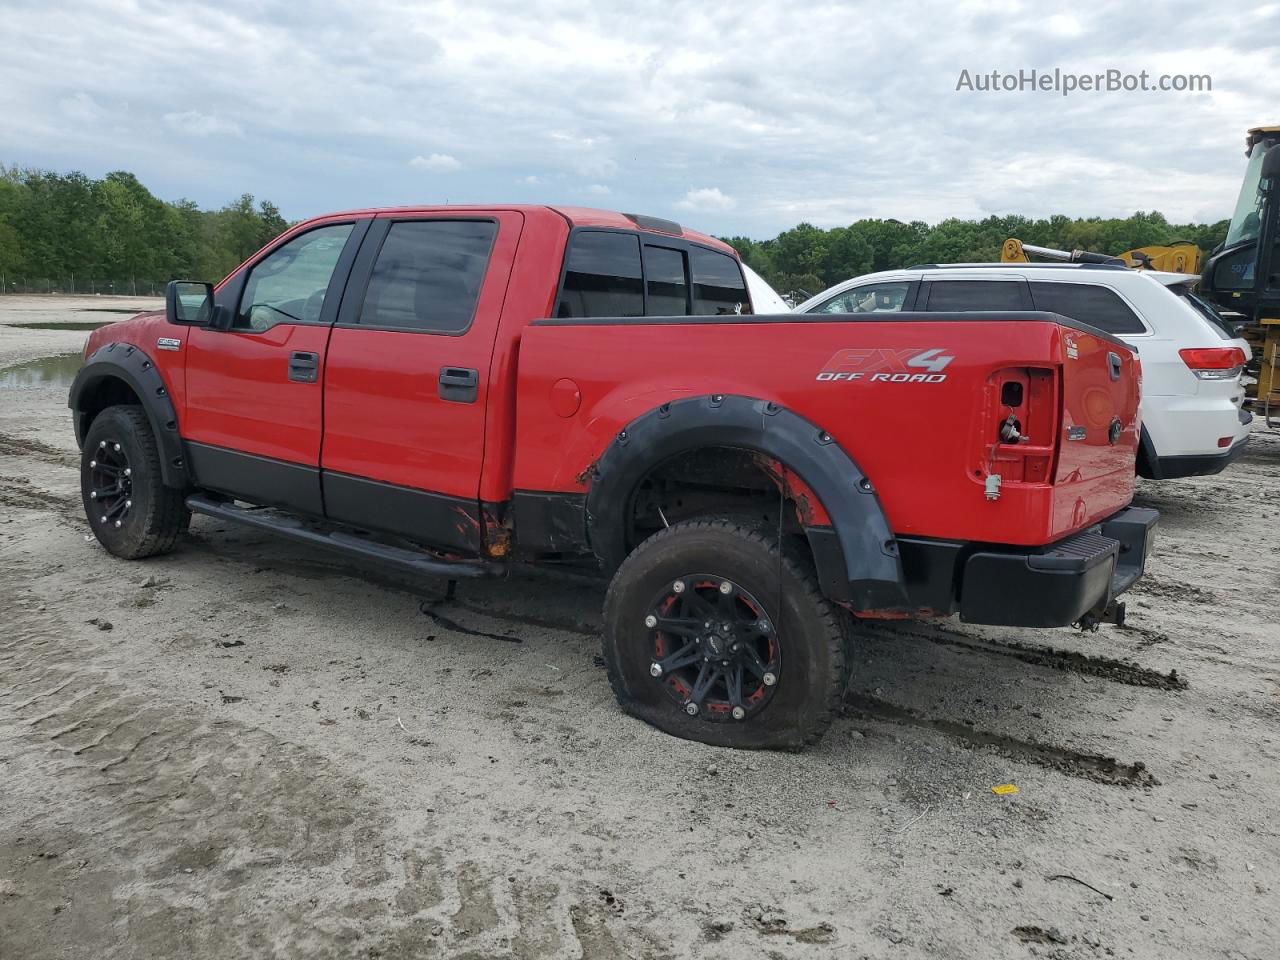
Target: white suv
[1192,361]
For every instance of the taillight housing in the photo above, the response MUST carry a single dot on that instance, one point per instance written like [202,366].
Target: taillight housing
[1214,363]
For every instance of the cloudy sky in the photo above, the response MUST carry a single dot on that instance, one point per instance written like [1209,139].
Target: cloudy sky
[736,118]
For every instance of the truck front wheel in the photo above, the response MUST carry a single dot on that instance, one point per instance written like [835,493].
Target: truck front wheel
[715,632]
[130,510]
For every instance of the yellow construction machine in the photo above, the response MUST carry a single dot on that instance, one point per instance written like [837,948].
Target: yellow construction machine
[1241,277]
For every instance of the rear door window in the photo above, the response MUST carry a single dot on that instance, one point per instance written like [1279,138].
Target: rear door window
[1089,303]
[965,295]
[603,277]
[718,284]
[868,298]
[666,282]
[428,274]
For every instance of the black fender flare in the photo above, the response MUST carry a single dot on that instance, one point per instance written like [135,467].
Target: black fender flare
[130,364]
[858,561]
[1148,464]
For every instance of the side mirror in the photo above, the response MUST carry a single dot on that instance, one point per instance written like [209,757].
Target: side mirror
[189,302]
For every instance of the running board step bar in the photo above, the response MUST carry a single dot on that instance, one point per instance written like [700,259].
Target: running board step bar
[343,540]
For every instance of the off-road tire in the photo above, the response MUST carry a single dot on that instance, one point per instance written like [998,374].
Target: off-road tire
[158,515]
[812,632]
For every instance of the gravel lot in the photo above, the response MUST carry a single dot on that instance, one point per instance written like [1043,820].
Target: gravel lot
[243,750]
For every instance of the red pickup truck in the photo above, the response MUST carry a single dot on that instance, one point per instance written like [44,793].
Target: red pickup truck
[452,390]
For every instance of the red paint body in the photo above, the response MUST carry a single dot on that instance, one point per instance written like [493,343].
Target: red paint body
[927,446]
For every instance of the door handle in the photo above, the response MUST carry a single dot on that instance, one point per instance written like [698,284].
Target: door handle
[1113,363]
[459,384]
[303,366]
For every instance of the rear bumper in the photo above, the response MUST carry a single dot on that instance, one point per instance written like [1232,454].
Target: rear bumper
[1057,585]
[1199,465]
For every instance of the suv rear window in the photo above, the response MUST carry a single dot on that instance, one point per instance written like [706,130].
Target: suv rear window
[1216,320]
[1097,306]
[603,277]
[964,295]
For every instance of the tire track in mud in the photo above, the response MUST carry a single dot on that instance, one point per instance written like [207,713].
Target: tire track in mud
[20,492]
[11,446]
[1105,668]
[1073,763]
[189,805]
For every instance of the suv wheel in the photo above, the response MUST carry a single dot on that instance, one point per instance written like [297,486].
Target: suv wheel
[132,513]
[712,635]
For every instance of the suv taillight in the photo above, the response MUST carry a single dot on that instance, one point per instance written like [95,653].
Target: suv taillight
[1214,363]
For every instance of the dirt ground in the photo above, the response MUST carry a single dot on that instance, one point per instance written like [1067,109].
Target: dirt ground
[247,750]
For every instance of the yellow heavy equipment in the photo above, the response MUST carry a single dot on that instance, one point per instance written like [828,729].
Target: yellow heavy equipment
[1241,277]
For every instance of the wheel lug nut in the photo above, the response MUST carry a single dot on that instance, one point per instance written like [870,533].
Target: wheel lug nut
[117,448]
[102,519]
[678,586]
[655,669]
[763,626]
[769,679]
[101,444]
[128,504]
[117,523]
[93,494]
[726,587]
[738,713]
[128,471]
[651,621]
[93,463]
[691,709]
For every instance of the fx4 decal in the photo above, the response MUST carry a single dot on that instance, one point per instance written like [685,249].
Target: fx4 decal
[887,365]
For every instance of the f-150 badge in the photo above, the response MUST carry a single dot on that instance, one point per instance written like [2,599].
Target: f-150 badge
[886,365]
[168,343]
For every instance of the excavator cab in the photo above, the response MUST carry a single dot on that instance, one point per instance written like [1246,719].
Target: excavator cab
[1243,275]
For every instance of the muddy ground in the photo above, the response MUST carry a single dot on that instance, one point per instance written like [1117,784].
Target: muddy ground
[244,749]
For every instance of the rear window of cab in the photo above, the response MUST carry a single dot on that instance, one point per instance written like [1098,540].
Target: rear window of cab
[621,274]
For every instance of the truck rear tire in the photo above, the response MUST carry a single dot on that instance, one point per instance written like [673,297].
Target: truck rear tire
[130,510]
[714,634]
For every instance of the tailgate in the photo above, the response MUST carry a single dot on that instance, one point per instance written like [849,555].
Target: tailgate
[1098,444]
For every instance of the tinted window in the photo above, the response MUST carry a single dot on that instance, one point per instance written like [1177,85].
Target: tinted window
[289,284]
[665,282]
[1206,310]
[1097,306]
[718,286]
[428,275]
[978,295]
[602,278]
[870,298]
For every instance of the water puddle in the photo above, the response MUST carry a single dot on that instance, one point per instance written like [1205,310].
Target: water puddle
[56,371]
[76,325]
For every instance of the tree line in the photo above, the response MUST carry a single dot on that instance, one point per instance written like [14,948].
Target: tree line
[807,259]
[68,232]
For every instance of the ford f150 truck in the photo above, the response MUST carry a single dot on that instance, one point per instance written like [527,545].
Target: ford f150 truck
[452,390]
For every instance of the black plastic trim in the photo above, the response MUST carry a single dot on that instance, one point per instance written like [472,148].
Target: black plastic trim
[902,316]
[131,365]
[550,522]
[1199,465]
[873,576]
[433,518]
[256,479]
[349,542]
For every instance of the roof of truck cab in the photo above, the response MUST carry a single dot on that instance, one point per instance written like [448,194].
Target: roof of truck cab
[576,217]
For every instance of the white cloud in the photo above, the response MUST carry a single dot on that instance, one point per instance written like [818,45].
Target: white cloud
[81,106]
[706,200]
[531,178]
[599,189]
[439,162]
[202,124]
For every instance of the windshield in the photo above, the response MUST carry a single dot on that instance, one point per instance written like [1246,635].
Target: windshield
[1246,220]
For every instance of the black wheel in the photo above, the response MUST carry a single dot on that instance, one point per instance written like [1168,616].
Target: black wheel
[710,636]
[132,513]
